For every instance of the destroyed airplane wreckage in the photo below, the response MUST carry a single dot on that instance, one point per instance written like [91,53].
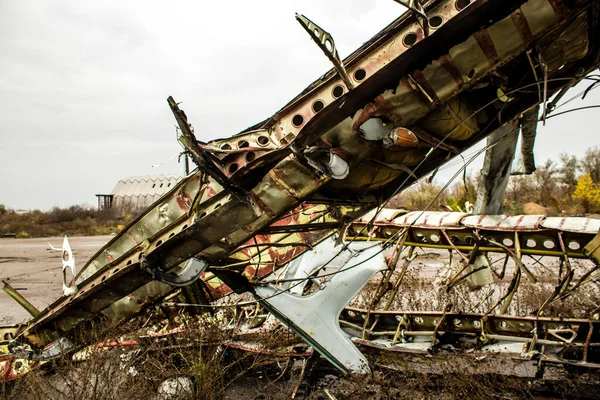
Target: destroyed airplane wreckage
[252,217]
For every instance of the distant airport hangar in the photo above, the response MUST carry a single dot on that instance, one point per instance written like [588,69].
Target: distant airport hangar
[137,192]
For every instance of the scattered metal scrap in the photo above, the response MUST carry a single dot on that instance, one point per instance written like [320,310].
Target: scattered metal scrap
[303,285]
[440,78]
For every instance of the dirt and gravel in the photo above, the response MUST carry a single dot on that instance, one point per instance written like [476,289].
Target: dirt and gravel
[35,271]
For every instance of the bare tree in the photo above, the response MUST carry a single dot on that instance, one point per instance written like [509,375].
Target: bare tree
[567,172]
[545,178]
[590,163]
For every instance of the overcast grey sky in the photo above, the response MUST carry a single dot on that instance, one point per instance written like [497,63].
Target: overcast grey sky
[83,84]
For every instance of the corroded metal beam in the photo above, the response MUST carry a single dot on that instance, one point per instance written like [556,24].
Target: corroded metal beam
[444,83]
[538,234]
[19,298]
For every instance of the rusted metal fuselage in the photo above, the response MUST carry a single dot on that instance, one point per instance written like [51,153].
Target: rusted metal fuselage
[422,92]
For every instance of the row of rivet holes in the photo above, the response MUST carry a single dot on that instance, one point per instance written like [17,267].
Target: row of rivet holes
[457,322]
[360,74]
[338,90]
[531,243]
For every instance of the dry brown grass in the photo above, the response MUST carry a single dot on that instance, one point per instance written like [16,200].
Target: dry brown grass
[219,372]
[199,353]
[72,221]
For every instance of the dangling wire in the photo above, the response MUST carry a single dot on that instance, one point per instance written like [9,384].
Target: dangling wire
[572,110]
[393,238]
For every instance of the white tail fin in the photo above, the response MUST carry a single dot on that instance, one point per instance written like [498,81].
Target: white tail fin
[68,261]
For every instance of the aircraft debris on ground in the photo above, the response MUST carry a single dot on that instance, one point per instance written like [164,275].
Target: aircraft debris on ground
[291,210]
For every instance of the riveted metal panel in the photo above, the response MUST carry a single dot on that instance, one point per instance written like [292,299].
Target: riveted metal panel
[502,222]
[572,224]
[431,219]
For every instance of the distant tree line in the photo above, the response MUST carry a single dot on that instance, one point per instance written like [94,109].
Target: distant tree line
[73,221]
[567,186]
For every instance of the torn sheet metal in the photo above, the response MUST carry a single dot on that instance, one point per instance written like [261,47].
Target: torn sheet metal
[289,238]
[297,273]
[572,224]
[314,317]
[495,172]
[480,334]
